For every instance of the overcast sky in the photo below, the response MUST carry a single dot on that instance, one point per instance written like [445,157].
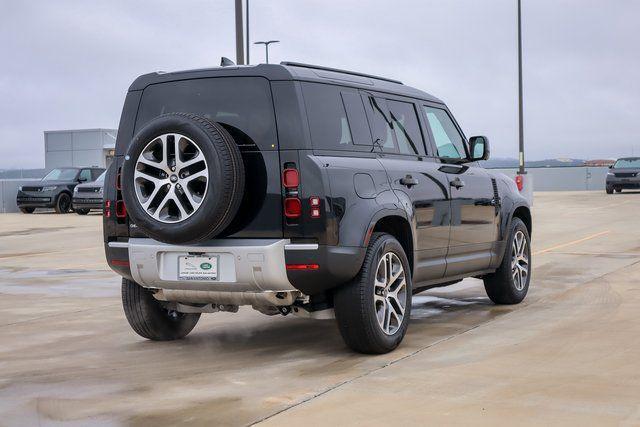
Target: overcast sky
[67,64]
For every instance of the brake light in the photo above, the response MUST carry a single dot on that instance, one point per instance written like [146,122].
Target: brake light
[292,207]
[120,262]
[107,208]
[302,266]
[118,181]
[121,209]
[519,182]
[290,178]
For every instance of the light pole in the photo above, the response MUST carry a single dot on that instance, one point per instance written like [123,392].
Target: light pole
[521,170]
[266,47]
[239,43]
[247,35]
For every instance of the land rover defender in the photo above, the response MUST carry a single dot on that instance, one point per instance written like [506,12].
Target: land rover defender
[305,190]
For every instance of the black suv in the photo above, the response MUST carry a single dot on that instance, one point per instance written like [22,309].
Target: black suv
[623,174]
[55,189]
[306,190]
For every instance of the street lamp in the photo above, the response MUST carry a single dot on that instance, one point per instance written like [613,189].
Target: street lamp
[521,170]
[266,47]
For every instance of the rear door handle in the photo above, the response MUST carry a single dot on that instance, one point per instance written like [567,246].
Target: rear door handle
[408,181]
[457,183]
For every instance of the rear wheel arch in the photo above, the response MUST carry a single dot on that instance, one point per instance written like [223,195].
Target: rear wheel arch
[397,226]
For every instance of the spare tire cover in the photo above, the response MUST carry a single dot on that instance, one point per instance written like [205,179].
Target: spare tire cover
[182,179]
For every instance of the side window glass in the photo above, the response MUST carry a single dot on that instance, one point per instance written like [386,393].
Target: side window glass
[406,128]
[357,118]
[448,140]
[381,125]
[85,174]
[328,122]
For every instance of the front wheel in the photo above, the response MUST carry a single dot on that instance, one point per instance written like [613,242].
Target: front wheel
[149,319]
[27,210]
[609,190]
[373,310]
[63,203]
[510,282]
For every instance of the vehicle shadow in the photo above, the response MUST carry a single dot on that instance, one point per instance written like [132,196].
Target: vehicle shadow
[266,338]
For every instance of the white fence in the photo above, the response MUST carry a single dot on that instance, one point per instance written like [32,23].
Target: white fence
[8,193]
[565,178]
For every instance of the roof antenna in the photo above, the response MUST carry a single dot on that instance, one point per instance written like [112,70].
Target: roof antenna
[226,62]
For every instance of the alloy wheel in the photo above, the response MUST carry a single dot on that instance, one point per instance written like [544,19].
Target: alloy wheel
[519,260]
[171,178]
[390,293]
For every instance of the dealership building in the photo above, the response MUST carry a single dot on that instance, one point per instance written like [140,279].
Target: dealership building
[79,147]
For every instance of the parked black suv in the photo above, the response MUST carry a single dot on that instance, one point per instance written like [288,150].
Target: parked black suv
[55,189]
[302,189]
[624,174]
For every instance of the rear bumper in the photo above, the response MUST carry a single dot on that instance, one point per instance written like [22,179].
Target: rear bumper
[245,265]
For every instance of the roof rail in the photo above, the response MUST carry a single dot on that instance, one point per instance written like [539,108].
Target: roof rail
[337,70]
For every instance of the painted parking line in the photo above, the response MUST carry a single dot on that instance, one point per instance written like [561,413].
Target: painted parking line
[574,242]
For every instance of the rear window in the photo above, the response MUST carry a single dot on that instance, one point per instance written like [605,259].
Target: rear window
[242,104]
[337,118]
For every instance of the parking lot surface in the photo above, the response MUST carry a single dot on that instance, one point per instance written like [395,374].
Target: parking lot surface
[569,354]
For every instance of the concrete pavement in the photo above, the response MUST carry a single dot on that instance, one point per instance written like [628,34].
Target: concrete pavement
[567,355]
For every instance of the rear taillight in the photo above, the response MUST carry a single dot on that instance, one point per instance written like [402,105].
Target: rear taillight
[107,208]
[292,207]
[121,209]
[290,178]
[118,181]
[314,202]
[519,182]
[291,182]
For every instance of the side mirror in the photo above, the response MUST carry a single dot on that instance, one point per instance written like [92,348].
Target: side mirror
[610,166]
[479,147]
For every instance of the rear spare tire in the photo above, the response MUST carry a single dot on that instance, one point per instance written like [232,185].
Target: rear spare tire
[182,178]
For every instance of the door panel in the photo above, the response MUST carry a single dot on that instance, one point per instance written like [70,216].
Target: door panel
[420,187]
[474,219]
[428,199]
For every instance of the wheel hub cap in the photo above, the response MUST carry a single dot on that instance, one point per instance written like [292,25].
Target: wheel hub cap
[390,293]
[171,178]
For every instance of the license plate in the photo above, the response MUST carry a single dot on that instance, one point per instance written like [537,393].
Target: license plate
[194,267]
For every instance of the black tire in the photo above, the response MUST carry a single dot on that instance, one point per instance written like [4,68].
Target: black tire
[226,174]
[501,285]
[609,190]
[618,190]
[354,302]
[82,211]
[27,210]
[63,203]
[149,319]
